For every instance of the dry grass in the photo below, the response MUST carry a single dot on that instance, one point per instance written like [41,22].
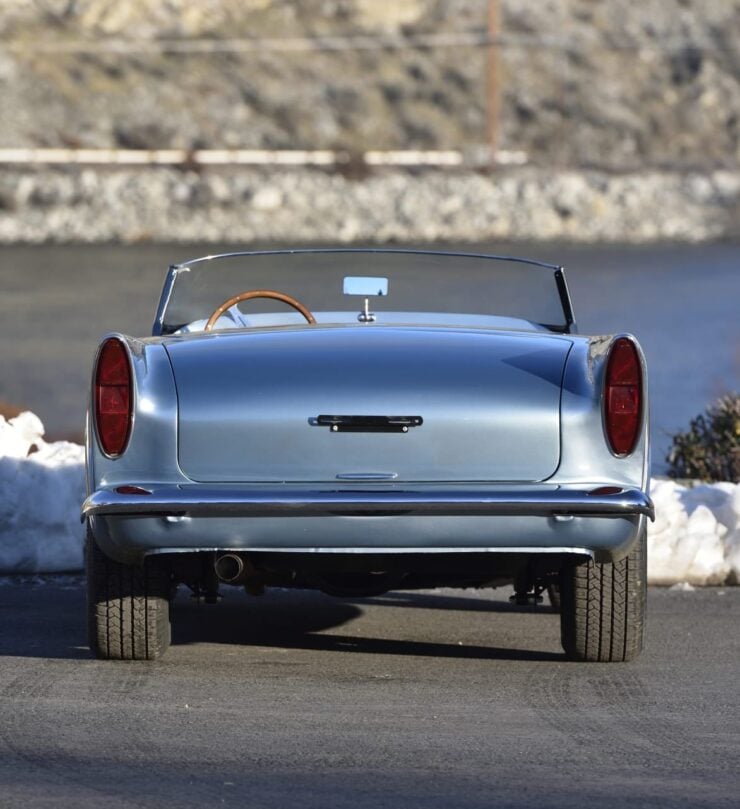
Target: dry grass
[9,411]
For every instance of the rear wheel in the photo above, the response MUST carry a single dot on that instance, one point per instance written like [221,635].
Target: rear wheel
[602,607]
[128,610]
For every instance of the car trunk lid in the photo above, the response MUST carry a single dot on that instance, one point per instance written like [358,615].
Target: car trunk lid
[371,403]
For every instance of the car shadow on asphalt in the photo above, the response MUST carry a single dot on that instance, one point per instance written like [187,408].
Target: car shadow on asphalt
[49,622]
[434,601]
[309,620]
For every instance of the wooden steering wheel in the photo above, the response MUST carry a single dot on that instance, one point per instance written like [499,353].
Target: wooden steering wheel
[260,293]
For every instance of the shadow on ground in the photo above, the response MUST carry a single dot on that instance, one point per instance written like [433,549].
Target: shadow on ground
[308,620]
[48,621]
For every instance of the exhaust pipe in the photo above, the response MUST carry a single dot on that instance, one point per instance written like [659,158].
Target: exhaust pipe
[230,568]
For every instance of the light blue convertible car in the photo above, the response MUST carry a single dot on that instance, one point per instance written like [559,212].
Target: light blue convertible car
[359,421]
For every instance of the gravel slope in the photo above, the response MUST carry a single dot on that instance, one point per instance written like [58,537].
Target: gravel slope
[615,84]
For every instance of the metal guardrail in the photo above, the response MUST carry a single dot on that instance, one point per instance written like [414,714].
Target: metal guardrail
[254,157]
[452,40]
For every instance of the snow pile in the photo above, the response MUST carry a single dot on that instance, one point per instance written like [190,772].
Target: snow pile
[696,534]
[41,489]
[695,538]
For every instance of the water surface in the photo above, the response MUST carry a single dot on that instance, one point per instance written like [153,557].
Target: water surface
[682,302]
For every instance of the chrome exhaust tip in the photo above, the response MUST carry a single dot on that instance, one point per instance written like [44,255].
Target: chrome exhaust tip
[229,567]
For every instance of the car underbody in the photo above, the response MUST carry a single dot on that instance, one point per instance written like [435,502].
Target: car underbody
[351,575]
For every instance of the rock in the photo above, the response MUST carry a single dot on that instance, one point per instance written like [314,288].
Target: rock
[303,204]
[268,198]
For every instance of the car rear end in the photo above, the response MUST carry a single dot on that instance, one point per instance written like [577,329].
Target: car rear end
[358,459]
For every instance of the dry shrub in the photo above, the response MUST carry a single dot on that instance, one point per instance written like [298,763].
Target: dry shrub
[710,449]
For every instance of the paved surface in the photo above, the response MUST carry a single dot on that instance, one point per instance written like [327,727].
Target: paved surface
[452,699]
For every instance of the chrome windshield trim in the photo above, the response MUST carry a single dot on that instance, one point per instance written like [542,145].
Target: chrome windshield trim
[199,500]
[174,268]
[566,327]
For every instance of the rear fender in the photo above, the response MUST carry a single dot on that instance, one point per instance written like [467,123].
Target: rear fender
[151,453]
[585,454]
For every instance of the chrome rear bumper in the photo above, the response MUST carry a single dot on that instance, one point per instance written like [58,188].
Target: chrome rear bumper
[197,500]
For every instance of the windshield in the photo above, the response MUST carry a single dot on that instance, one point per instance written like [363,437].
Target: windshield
[422,287]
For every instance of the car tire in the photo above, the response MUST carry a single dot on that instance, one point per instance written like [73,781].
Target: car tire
[128,609]
[603,607]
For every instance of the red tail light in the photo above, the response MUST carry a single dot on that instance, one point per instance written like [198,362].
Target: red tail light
[623,396]
[113,397]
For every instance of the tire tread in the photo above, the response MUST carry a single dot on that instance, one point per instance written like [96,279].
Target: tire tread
[603,607]
[127,607]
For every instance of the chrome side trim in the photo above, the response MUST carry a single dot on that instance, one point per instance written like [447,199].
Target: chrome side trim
[198,500]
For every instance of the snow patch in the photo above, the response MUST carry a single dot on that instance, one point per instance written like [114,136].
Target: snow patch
[696,534]
[682,587]
[42,487]
[694,541]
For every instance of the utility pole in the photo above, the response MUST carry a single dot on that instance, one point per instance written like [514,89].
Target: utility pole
[493,79]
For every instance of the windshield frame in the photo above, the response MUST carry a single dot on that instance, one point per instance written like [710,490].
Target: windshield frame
[568,327]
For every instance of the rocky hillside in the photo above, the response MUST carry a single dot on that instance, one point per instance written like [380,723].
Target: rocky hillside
[619,85]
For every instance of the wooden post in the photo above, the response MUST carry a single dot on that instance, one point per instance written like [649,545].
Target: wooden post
[493,105]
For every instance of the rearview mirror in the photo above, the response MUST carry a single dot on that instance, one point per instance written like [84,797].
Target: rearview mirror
[365,286]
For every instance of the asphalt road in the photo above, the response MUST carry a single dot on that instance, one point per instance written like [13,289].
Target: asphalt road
[448,699]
